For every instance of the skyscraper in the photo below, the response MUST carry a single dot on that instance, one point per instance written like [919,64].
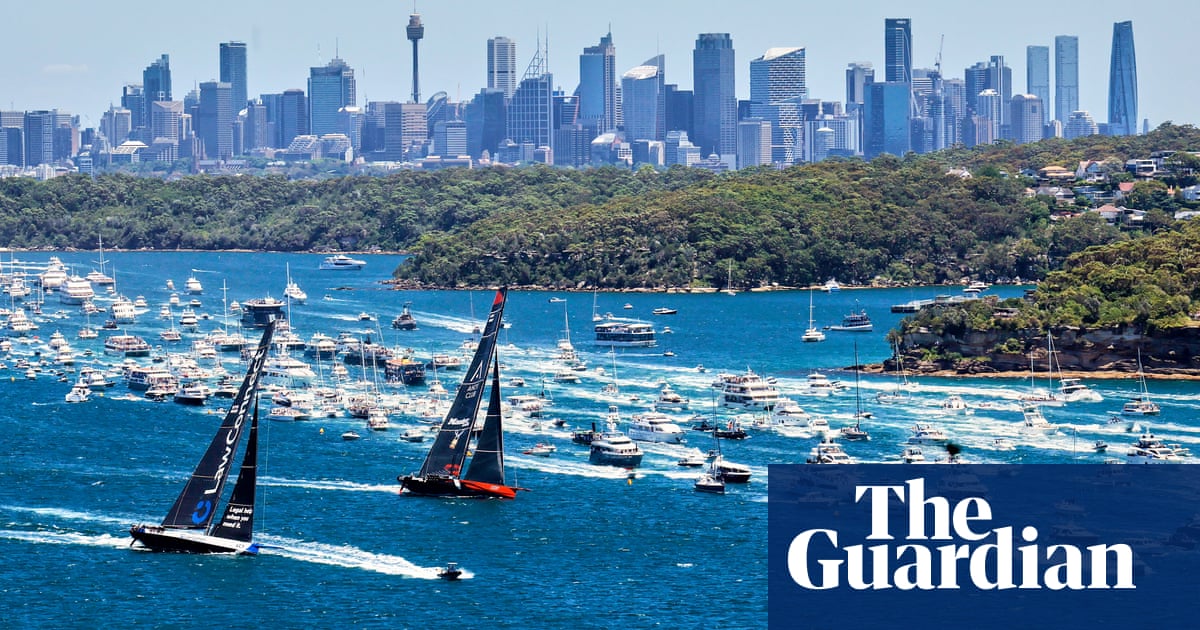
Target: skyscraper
[39,137]
[1066,76]
[1122,83]
[778,84]
[1000,79]
[1037,75]
[415,32]
[1026,114]
[330,88]
[858,76]
[214,120]
[233,72]
[645,101]
[156,86]
[292,118]
[888,118]
[531,108]
[502,65]
[598,85]
[714,97]
[897,41]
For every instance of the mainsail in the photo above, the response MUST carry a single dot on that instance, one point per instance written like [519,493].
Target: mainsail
[196,505]
[442,472]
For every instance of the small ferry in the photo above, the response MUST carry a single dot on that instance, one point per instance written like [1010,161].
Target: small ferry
[625,333]
[855,322]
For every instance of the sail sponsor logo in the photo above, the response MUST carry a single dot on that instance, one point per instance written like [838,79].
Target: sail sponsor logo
[202,512]
[987,557]
[241,411]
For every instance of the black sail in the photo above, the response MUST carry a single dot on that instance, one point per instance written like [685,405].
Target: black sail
[197,503]
[237,523]
[487,464]
[449,448]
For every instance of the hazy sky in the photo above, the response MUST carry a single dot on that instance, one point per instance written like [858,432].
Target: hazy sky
[76,55]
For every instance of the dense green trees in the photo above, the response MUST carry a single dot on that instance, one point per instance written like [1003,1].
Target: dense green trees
[892,219]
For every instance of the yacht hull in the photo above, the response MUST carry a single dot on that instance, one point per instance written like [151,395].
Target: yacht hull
[450,487]
[155,538]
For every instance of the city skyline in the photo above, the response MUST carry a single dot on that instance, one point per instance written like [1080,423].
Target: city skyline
[70,72]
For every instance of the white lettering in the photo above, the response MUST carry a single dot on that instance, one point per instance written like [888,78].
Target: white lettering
[797,560]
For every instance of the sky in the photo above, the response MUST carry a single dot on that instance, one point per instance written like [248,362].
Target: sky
[76,56]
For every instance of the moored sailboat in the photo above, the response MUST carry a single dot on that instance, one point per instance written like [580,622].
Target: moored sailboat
[189,526]
[445,472]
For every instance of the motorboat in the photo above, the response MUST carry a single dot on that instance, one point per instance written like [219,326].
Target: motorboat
[528,404]
[1034,420]
[76,290]
[541,449]
[669,399]
[975,288]
[710,484]
[728,471]
[828,452]
[748,391]
[925,433]
[1149,449]
[192,394]
[566,376]
[342,262]
[350,436]
[955,404]
[831,286]
[377,419]
[662,310]
[788,413]
[655,427]
[127,346]
[451,572]
[405,320]
[80,393]
[413,434]
[615,449]
[692,460]
[1003,444]
[193,286]
[913,455]
[1073,390]
[820,385]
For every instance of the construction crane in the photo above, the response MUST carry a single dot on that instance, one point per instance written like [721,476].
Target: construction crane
[937,62]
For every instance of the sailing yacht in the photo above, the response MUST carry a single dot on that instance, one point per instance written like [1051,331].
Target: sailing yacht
[856,432]
[813,334]
[729,290]
[1141,405]
[190,526]
[445,472]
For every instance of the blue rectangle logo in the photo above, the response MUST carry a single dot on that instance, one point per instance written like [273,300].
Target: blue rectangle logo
[984,546]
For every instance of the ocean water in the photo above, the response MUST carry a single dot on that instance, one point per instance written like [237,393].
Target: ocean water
[586,546]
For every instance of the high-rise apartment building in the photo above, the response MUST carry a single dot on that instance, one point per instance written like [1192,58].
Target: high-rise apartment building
[643,90]
[1037,75]
[330,88]
[1079,124]
[233,72]
[164,119]
[754,143]
[778,85]
[897,41]
[598,85]
[1122,83]
[714,98]
[1066,76]
[502,65]
[1026,113]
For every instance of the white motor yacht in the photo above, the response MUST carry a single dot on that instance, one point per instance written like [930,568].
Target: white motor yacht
[654,427]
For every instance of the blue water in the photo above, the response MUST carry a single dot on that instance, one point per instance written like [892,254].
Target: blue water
[586,547]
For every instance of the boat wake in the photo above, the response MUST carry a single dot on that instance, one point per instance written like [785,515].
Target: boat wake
[66,538]
[347,557]
[348,486]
